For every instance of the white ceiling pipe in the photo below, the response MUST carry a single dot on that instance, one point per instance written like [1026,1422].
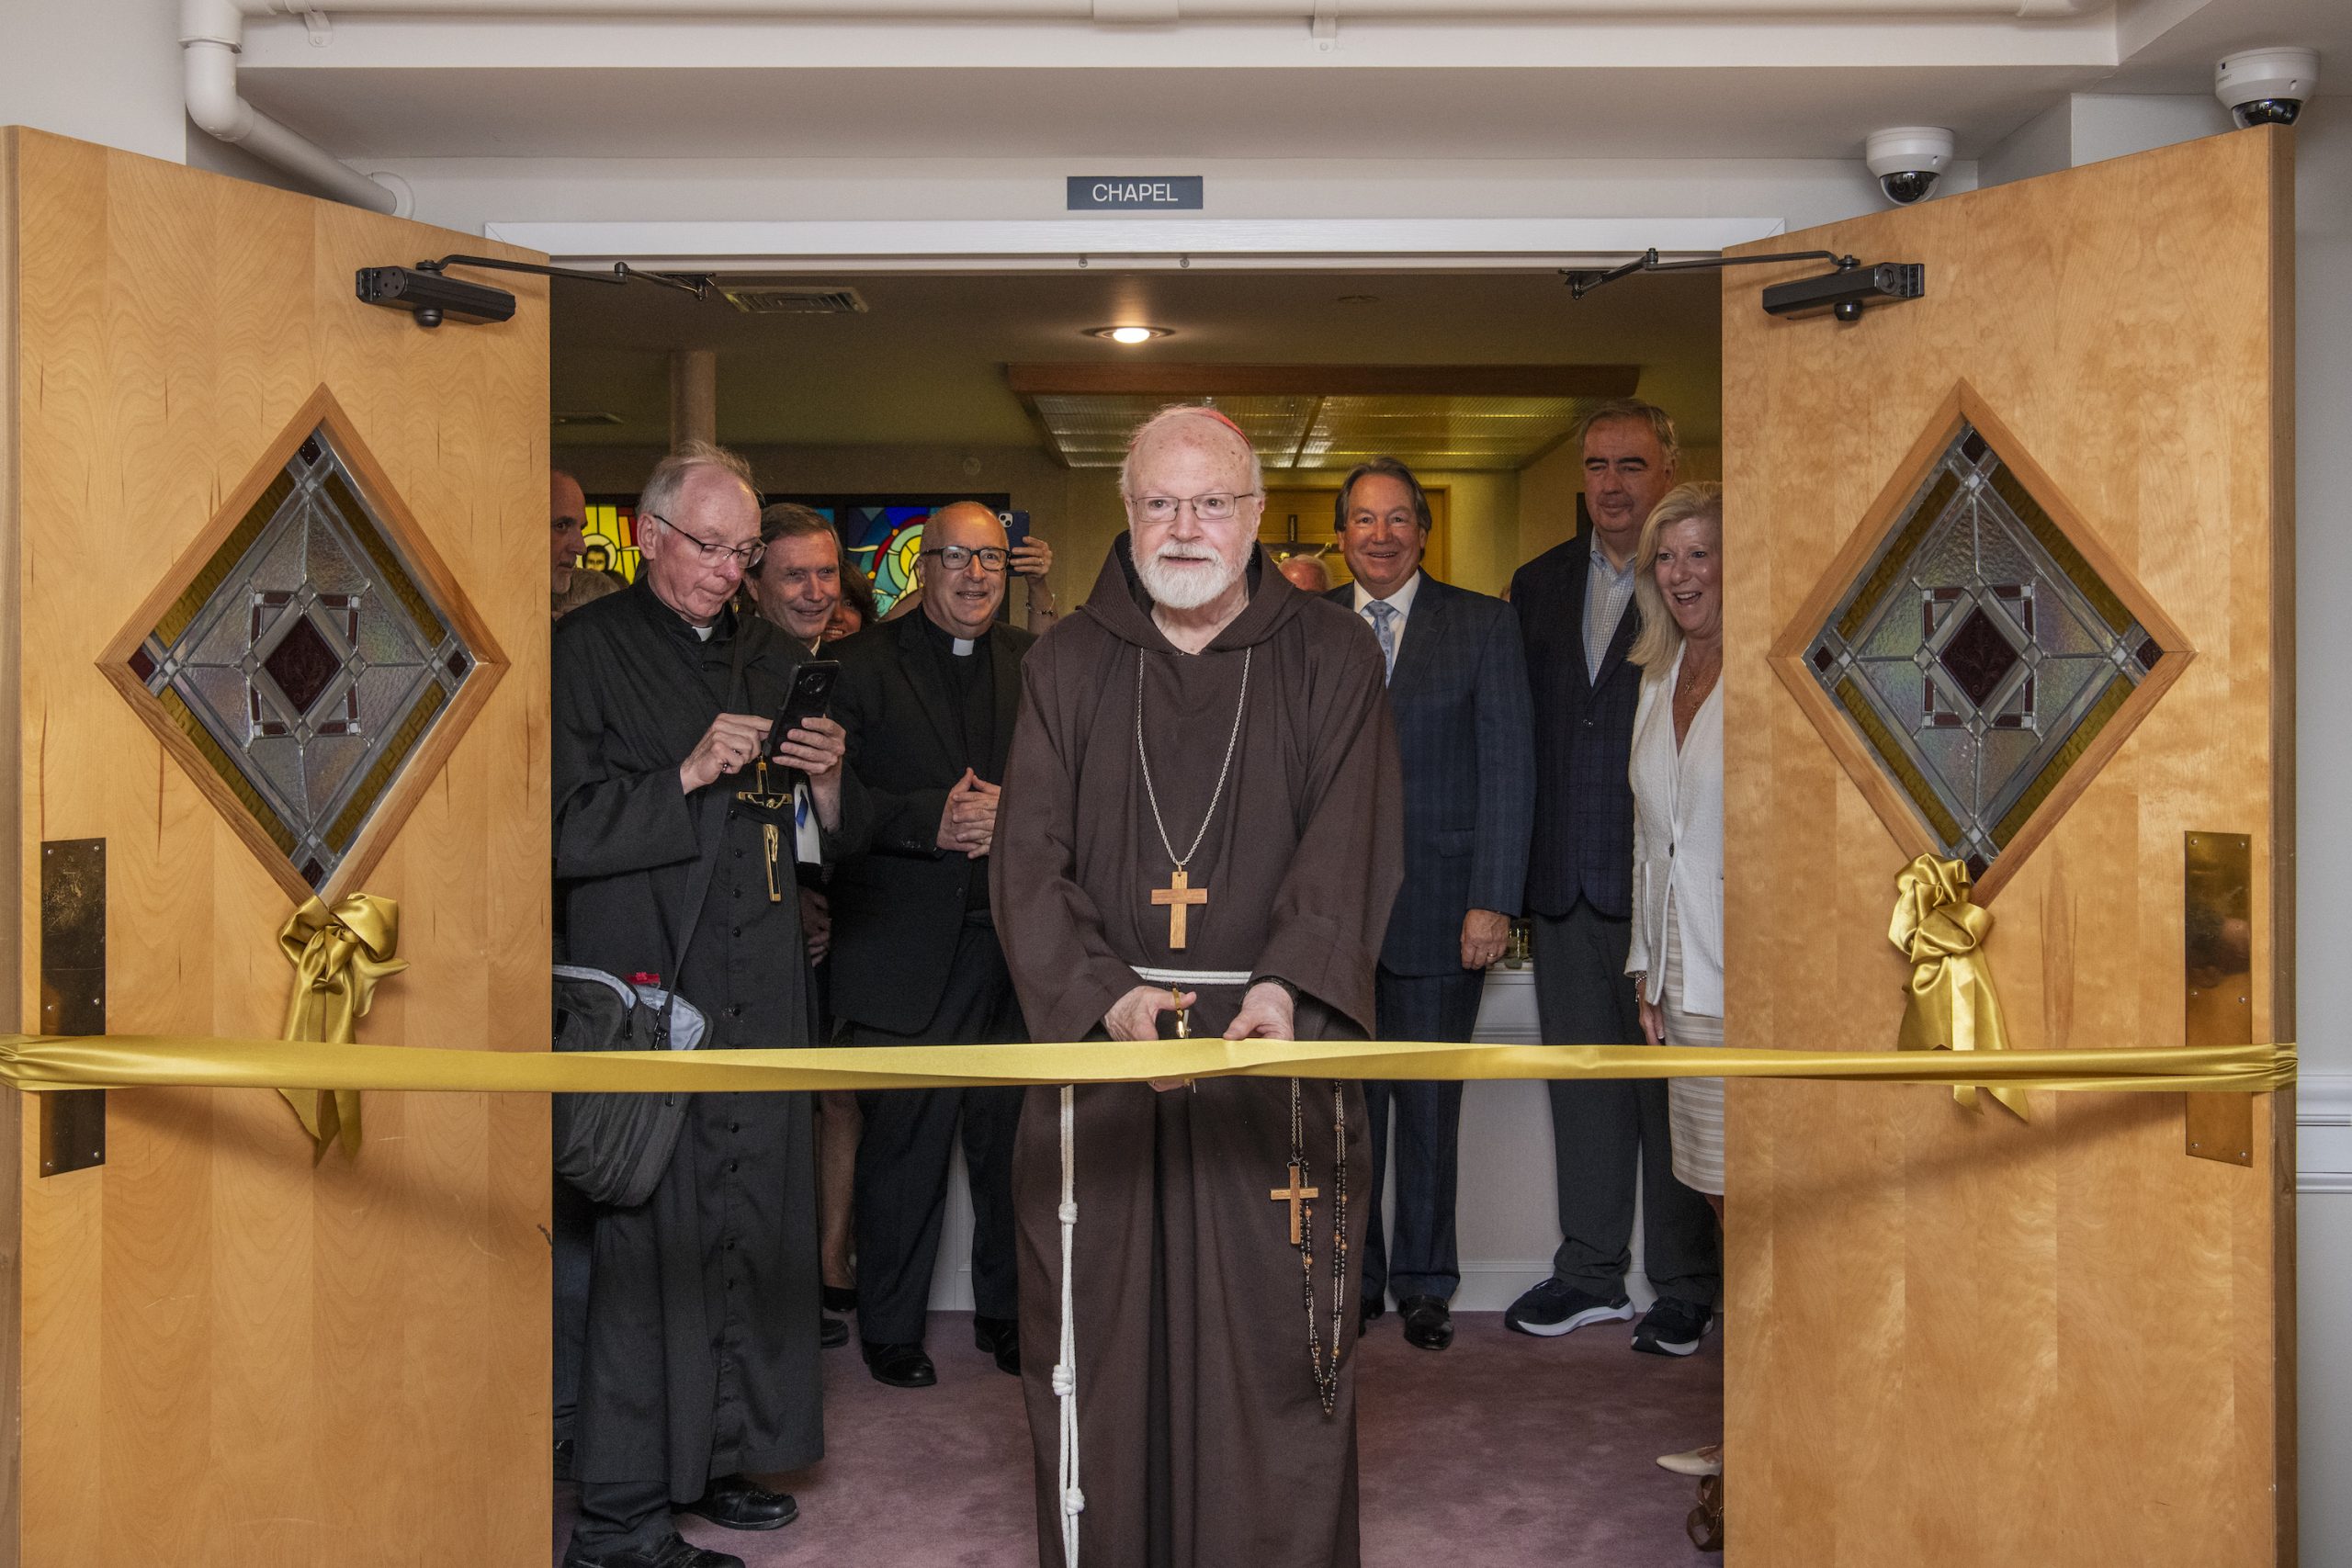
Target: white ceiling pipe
[211,35]
[1318,11]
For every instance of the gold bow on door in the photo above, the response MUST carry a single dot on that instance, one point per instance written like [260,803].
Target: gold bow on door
[338,956]
[1953,1005]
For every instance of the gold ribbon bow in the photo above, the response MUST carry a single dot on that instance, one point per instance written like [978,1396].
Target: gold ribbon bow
[1953,1005]
[338,956]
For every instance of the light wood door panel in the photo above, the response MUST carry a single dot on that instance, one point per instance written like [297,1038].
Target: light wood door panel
[1958,1338]
[231,1354]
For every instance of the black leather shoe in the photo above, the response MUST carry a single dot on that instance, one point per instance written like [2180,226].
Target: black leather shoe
[1371,1311]
[832,1333]
[901,1366]
[840,1298]
[1428,1323]
[674,1552]
[1000,1338]
[740,1503]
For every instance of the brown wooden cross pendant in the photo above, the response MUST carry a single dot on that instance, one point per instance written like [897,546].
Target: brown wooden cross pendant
[1295,1194]
[1178,893]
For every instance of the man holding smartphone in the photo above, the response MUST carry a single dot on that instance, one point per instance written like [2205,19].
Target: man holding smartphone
[928,701]
[700,1357]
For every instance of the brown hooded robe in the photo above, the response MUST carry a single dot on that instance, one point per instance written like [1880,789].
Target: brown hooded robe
[1202,1442]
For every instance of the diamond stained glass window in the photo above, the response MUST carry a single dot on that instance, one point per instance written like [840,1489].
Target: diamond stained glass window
[1978,654]
[306,660]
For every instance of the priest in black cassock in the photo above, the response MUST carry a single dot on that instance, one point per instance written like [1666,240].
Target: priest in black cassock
[1202,813]
[701,1359]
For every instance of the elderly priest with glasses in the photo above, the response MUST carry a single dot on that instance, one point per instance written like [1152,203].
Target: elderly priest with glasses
[928,701]
[1201,832]
[673,809]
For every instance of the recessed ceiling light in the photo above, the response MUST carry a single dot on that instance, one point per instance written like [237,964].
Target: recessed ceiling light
[1128,334]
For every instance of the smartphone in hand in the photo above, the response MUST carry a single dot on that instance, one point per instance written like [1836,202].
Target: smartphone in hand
[812,695]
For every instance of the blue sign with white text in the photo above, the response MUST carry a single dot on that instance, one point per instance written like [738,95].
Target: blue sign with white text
[1135,193]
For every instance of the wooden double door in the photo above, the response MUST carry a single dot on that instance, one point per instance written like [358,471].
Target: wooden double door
[1953,1338]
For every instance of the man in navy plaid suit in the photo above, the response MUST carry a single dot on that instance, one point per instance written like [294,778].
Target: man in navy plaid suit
[1575,605]
[1457,686]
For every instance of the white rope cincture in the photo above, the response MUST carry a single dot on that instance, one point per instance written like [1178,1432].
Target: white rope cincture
[1190,976]
[1065,1364]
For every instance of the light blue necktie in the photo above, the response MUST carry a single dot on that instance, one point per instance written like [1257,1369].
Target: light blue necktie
[1383,627]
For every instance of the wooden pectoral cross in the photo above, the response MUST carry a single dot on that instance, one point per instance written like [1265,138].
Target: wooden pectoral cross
[1296,1194]
[1178,895]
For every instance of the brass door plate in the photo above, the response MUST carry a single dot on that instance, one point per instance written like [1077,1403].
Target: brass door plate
[73,993]
[2217,901]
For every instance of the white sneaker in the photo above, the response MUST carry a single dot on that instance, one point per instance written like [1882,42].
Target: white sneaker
[1708,1460]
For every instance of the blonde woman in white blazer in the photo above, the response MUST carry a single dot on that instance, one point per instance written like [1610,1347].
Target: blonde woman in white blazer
[1677,957]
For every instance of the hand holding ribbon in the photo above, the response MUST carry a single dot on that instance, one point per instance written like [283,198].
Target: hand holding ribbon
[1953,1005]
[338,956]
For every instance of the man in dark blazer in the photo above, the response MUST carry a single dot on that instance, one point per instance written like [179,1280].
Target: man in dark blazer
[1457,686]
[1576,614]
[929,701]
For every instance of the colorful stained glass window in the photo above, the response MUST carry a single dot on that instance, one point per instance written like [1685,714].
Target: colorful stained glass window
[1978,654]
[306,660]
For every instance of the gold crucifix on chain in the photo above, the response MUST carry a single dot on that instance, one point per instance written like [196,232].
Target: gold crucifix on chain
[1296,1194]
[1178,895]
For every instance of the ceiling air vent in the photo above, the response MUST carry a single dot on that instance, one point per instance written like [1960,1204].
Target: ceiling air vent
[795,300]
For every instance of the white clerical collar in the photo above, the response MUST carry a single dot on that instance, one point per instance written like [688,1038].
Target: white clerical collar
[702,634]
[964,647]
[1401,601]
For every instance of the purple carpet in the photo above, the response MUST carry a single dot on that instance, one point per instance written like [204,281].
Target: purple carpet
[1501,1451]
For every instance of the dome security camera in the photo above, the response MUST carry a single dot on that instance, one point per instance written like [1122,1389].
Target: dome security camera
[1908,160]
[2267,86]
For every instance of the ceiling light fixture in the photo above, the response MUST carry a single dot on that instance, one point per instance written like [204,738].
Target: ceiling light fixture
[1129,335]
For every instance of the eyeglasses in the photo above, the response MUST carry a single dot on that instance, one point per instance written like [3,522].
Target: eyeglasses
[956,558]
[747,556]
[1217,506]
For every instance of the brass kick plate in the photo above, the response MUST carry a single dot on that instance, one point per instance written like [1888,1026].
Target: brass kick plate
[73,993]
[2217,897]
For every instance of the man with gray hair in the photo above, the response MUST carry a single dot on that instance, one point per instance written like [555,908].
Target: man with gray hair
[1225,867]
[672,829]
[1578,623]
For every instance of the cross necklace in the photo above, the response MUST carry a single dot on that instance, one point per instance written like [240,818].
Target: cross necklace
[1180,895]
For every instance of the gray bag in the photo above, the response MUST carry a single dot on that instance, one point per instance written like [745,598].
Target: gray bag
[614,1147]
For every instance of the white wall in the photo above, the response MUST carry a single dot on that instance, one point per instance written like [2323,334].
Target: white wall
[104,71]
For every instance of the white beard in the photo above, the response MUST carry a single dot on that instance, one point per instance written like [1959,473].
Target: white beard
[1187,587]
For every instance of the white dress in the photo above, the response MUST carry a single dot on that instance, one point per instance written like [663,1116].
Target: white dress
[1677,938]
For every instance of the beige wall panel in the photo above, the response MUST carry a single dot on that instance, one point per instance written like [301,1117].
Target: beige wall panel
[233,1355]
[1956,1339]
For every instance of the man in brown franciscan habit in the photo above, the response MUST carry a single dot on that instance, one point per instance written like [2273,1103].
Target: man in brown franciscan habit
[1228,860]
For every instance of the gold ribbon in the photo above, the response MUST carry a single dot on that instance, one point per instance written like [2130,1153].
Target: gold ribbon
[1951,1003]
[338,956]
[125,1061]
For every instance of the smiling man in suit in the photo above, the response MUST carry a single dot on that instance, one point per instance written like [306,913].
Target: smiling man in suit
[1575,605]
[1457,686]
[929,701]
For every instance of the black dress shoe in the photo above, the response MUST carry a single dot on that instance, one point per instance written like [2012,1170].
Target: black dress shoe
[832,1333]
[742,1503]
[1000,1338]
[1428,1323]
[901,1366]
[840,1298]
[1370,1312]
[674,1552]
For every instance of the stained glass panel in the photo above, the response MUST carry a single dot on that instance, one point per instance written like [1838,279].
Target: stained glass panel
[306,660]
[1978,654]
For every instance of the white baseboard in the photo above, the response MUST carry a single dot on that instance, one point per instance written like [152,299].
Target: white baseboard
[2323,1134]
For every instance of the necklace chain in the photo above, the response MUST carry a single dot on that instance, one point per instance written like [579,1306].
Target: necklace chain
[1326,1373]
[1144,761]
